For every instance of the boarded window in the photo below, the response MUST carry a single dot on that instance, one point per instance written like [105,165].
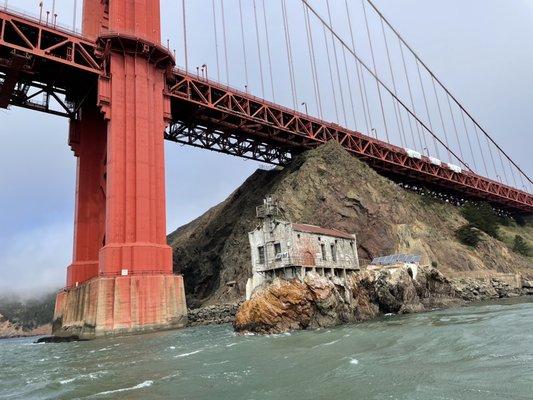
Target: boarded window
[323,249]
[333,253]
[353,249]
[261,252]
[277,248]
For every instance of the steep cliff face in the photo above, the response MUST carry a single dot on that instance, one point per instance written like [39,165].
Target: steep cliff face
[330,188]
[320,302]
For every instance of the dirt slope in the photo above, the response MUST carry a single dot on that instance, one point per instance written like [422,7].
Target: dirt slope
[328,187]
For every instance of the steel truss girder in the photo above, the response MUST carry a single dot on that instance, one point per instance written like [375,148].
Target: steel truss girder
[206,137]
[47,42]
[295,131]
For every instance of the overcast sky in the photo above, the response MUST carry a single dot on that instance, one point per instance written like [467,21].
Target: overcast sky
[482,49]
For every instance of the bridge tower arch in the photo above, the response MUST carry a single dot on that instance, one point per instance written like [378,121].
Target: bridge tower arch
[121,280]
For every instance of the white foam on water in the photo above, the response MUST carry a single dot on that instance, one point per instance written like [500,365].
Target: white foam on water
[327,344]
[231,344]
[217,363]
[142,385]
[172,347]
[92,375]
[188,354]
[354,361]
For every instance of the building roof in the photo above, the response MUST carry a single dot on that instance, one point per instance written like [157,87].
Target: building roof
[318,230]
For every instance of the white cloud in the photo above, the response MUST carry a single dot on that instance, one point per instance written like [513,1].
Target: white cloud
[36,260]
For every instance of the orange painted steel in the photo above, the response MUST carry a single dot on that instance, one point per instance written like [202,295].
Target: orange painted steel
[209,115]
[210,109]
[121,257]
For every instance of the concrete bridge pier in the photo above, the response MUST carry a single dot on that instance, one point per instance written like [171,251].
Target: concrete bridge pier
[121,278]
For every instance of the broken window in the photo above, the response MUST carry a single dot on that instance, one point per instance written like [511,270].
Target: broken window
[277,248]
[333,253]
[261,252]
[323,249]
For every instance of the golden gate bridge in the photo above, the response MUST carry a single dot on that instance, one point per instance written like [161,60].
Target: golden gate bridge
[283,77]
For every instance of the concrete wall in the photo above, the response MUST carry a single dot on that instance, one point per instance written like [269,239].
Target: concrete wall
[106,306]
[298,253]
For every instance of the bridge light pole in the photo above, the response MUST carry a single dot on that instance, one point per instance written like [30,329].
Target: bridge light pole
[40,12]
[305,106]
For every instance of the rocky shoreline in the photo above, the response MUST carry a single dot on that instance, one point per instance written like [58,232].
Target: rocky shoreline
[213,315]
[321,302]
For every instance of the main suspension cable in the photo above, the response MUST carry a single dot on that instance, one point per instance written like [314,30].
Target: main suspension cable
[259,50]
[380,82]
[268,51]
[289,53]
[312,61]
[360,79]
[216,39]
[225,41]
[375,71]
[337,66]
[243,46]
[448,92]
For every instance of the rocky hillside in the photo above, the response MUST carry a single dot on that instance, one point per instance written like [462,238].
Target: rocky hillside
[30,317]
[330,188]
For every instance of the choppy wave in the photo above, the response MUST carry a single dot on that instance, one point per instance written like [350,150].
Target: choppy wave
[188,354]
[141,385]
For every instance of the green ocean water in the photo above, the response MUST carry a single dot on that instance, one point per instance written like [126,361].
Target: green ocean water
[478,352]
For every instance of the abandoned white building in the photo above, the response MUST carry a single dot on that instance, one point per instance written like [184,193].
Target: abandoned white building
[289,250]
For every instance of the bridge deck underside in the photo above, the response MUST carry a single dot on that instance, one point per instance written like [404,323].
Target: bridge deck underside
[37,59]
[216,117]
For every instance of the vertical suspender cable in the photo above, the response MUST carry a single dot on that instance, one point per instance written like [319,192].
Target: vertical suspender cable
[360,78]
[448,92]
[408,116]
[268,51]
[512,173]
[352,104]
[337,65]
[225,41]
[375,71]
[468,139]
[184,21]
[435,144]
[411,97]
[289,53]
[394,103]
[74,16]
[378,80]
[216,39]
[480,149]
[331,74]
[243,46]
[259,50]
[455,128]
[503,168]
[441,119]
[312,60]
[491,157]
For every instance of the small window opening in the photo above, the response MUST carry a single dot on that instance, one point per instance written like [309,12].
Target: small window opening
[261,252]
[277,248]
[333,253]
[323,249]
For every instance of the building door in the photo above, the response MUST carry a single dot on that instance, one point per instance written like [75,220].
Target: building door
[309,259]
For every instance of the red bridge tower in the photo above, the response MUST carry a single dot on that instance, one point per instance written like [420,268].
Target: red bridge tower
[121,280]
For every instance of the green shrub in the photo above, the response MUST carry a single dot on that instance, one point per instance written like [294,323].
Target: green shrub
[482,217]
[520,246]
[434,264]
[468,235]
